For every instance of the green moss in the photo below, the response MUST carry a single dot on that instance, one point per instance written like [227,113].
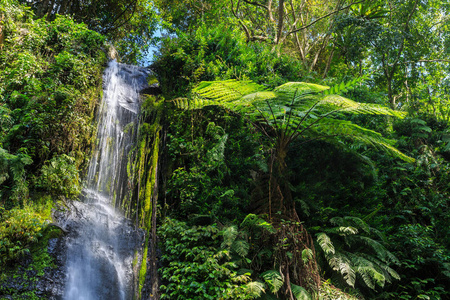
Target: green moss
[143,270]
[40,258]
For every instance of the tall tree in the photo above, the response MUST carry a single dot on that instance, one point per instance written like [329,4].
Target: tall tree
[295,110]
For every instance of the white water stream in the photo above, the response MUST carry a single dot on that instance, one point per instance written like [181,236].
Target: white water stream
[102,244]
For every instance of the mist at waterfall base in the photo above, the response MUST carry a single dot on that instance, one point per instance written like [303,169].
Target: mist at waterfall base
[102,245]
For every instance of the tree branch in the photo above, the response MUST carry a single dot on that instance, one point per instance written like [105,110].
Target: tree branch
[323,17]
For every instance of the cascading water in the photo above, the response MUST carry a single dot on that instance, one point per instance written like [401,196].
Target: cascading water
[102,244]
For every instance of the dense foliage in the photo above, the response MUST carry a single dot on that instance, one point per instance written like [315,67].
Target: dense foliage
[267,181]
[50,83]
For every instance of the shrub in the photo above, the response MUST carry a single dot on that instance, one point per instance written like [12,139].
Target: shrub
[19,230]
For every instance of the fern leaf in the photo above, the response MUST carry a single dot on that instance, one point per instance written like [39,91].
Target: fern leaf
[229,235]
[241,247]
[273,279]
[346,129]
[366,276]
[325,243]
[337,221]
[343,104]
[227,90]
[384,267]
[347,230]
[300,293]
[379,249]
[371,273]
[344,87]
[255,289]
[342,264]
[359,223]
[299,88]
[307,255]
[192,104]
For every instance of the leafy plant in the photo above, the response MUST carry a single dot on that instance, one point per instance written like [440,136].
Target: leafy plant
[291,111]
[13,184]
[353,253]
[59,176]
[19,230]
[195,267]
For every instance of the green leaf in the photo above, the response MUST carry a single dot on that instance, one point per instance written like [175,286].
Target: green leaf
[300,293]
[254,288]
[273,279]
[325,243]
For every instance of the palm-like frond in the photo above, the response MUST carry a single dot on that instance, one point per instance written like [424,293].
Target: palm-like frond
[381,252]
[330,128]
[325,243]
[227,90]
[357,255]
[254,289]
[340,263]
[296,109]
[241,247]
[273,279]
[300,293]
[229,236]
[370,272]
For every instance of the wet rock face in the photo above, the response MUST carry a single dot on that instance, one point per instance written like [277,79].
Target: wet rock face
[26,280]
[92,260]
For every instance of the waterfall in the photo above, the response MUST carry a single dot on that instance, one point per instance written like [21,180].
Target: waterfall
[102,243]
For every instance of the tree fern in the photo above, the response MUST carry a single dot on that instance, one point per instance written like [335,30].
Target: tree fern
[296,109]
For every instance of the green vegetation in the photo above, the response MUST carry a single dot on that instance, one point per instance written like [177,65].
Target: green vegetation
[50,83]
[299,149]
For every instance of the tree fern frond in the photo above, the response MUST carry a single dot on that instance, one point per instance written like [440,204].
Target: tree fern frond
[347,129]
[244,278]
[291,88]
[307,255]
[344,87]
[300,293]
[229,236]
[325,243]
[358,222]
[347,230]
[383,266]
[341,263]
[378,234]
[338,221]
[273,279]
[259,96]
[343,104]
[366,276]
[241,247]
[370,272]
[192,104]
[255,288]
[379,249]
[227,90]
